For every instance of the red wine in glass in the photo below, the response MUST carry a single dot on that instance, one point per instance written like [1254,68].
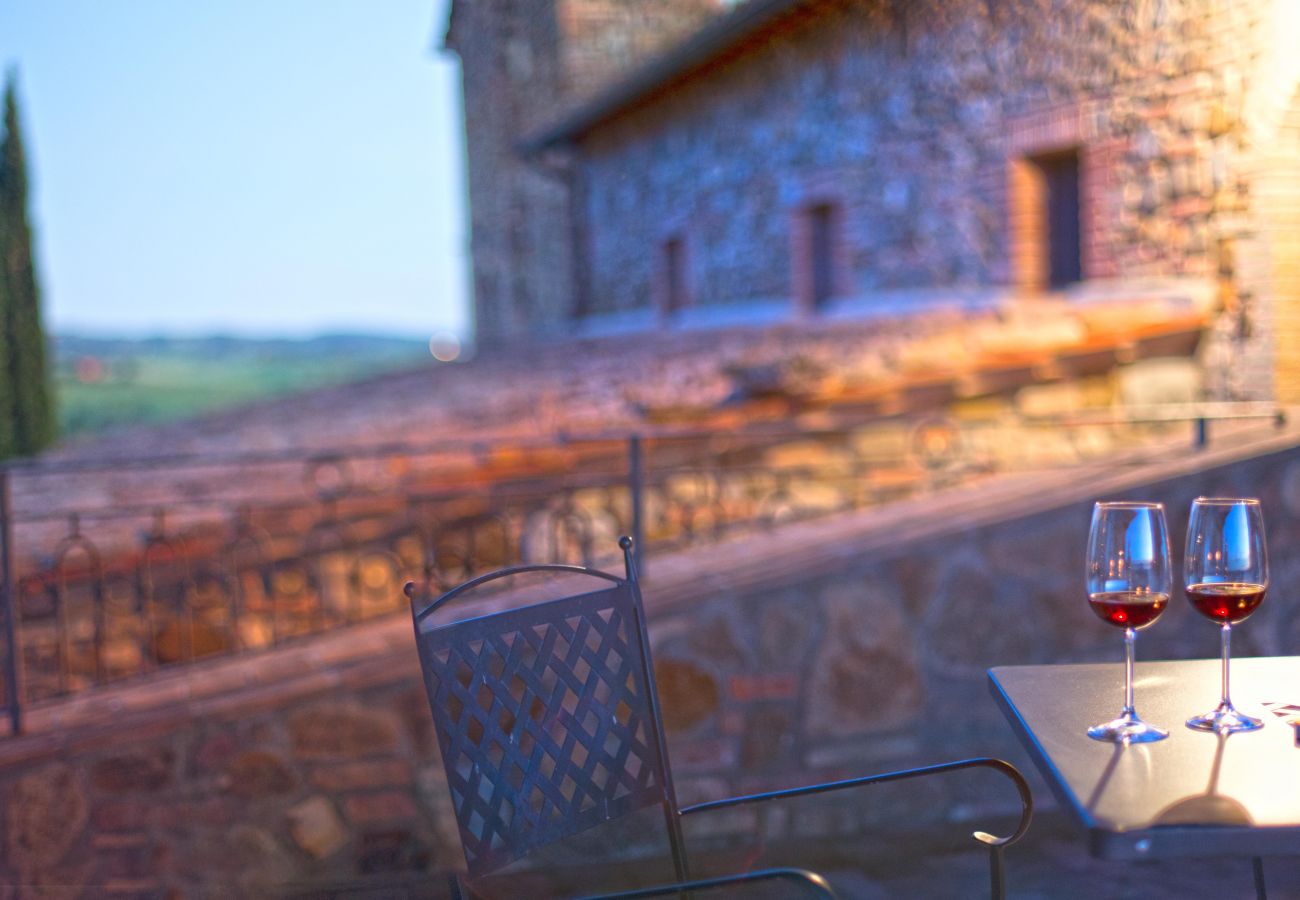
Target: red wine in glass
[1225,568]
[1128,581]
[1128,609]
[1230,602]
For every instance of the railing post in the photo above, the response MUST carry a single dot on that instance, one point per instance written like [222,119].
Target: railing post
[13,696]
[1202,432]
[636,491]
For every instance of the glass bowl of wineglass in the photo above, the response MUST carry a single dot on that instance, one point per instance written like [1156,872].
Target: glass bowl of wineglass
[1225,570]
[1128,581]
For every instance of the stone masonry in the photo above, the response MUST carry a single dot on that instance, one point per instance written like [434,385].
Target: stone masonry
[819,650]
[922,129]
[523,62]
[911,121]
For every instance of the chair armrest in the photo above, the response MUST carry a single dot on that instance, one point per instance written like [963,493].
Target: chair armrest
[811,880]
[998,765]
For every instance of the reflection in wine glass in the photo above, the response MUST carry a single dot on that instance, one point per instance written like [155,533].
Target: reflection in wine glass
[1225,569]
[1128,581]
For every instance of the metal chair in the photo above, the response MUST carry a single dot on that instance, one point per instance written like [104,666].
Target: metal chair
[549,725]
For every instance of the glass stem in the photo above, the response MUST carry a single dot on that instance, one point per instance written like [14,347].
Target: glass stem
[1129,637]
[1226,702]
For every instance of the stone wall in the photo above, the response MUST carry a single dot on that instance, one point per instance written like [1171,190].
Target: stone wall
[910,122]
[920,126]
[818,650]
[1272,306]
[522,63]
[602,39]
[893,642]
[511,74]
[291,790]
[1279,186]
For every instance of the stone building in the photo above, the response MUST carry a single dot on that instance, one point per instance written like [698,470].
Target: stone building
[789,160]
[523,62]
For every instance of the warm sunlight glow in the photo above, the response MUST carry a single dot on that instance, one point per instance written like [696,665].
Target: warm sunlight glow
[445,346]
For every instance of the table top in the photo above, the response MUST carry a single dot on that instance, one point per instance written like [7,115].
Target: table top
[1193,794]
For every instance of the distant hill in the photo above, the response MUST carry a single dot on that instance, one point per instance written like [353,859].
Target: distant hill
[106,382]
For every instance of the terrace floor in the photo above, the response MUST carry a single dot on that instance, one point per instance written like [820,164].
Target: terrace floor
[1052,863]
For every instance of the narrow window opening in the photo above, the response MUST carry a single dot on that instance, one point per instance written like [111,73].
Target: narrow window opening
[1060,173]
[674,263]
[821,253]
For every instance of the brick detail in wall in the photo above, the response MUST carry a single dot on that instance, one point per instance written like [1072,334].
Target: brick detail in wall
[820,193]
[1027,225]
[1056,130]
[1099,192]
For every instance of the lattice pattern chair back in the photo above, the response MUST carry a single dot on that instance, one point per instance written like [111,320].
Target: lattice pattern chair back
[546,716]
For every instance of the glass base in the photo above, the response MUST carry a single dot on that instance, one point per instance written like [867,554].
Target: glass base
[1224,718]
[1127,730]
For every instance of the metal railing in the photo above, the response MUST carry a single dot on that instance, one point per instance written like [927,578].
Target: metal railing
[181,558]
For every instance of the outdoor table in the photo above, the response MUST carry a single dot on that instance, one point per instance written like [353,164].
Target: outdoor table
[1192,794]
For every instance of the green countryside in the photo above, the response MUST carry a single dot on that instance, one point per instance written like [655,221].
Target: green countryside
[103,382]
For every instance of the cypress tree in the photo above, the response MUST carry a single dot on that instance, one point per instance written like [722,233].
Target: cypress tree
[8,430]
[26,394]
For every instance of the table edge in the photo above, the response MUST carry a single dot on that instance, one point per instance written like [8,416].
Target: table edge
[1047,770]
[1158,842]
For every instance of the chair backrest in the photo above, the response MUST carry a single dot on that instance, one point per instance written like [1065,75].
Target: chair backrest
[546,716]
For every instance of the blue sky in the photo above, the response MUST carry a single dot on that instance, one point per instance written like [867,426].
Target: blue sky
[246,166]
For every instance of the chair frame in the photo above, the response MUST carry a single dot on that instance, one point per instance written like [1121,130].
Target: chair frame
[627,591]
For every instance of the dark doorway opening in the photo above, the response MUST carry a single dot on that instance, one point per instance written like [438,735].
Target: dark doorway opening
[674,262]
[821,253]
[1064,232]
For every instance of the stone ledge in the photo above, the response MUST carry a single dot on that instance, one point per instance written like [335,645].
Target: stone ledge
[227,687]
[779,558]
[382,651]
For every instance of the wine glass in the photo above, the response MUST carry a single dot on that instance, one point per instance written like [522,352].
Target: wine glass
[1225,570]
[1128,586]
